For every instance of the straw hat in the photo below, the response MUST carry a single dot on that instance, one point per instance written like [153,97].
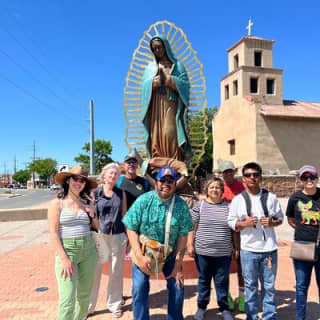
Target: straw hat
[75,171]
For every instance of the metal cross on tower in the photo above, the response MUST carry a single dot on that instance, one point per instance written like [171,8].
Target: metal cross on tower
[248,27]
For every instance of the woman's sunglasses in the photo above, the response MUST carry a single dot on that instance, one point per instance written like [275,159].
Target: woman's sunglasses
[311,177]
[79,179]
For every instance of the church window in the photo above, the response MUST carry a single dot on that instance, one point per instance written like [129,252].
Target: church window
[253,85]
[232,147]
[236,61]
[258,58]
[270,86]
[226,92]
[235,87]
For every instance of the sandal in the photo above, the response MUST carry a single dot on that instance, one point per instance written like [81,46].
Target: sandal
[117,314]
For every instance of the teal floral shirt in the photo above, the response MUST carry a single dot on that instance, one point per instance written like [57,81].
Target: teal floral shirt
[148,215]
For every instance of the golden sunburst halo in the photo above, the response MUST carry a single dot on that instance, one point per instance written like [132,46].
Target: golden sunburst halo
[142,56]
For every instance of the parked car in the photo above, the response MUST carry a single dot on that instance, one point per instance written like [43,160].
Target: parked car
[55,187]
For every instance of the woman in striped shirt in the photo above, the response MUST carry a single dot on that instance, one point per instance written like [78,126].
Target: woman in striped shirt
[70,216]
[211,245]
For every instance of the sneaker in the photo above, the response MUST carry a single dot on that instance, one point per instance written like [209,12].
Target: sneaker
[227,315]
[200,314]
[240,303]
[230,303]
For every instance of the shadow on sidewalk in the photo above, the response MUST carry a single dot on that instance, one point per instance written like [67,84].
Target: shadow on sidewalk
[160,299]
[286,306]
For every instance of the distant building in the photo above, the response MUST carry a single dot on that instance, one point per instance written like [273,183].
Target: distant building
[254,123]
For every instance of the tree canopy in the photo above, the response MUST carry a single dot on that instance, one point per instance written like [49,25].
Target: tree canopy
[206,160]
[102,151]
[44,167]
[21,176]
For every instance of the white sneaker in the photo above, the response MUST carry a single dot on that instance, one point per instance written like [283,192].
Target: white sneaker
[200,314]
[227,315]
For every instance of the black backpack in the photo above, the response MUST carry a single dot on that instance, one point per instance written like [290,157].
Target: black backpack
[263,199]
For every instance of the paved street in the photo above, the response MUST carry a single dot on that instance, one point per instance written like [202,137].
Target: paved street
[25,198]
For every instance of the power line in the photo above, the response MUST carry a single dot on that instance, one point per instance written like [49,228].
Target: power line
[25,91]
[34,78]
[29,52]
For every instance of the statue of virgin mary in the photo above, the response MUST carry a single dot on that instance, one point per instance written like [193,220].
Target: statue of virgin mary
[165,97]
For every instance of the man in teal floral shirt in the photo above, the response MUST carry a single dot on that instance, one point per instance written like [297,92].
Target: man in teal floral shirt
[147,216]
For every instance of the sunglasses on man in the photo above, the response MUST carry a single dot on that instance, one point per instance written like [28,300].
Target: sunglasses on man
[166,180]
[131,161]
[252,174]
[307,177]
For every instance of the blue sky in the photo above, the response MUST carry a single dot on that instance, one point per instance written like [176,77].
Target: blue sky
[57,55]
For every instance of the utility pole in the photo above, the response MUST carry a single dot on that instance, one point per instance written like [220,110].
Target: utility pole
[33,161]
[14,164]
[92,166]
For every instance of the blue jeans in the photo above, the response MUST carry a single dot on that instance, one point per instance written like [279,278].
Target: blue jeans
[303,270]
[140,293]
[218,269]
[256,266]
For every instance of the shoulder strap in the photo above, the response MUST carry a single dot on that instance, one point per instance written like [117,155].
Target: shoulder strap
[168,222]
[263,199]
[146,185]
[247,200]
[201,205]
[119,181]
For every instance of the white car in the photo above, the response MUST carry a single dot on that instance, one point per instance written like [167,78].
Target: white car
[55,187]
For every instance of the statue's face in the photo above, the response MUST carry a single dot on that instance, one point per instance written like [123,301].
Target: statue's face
[158,49]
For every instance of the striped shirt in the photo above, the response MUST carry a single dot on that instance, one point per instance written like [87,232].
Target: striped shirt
[213,236]
[73,225]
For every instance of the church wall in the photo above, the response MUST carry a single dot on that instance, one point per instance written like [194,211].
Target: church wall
[287,144]
[257,45]
[239,50]
[234,120]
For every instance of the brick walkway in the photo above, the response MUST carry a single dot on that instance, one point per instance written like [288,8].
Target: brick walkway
[24,271]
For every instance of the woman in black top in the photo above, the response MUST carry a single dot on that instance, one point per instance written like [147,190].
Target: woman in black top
[303,212]
[111,207]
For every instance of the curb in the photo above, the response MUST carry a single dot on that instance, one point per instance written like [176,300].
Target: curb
[23,214]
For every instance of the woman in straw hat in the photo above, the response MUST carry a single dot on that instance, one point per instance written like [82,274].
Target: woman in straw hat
[70,217]
[111,205]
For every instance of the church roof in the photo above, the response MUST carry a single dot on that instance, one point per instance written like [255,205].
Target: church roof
[249,38]
[292,109]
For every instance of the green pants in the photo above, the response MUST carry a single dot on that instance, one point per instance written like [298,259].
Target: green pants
[74,294]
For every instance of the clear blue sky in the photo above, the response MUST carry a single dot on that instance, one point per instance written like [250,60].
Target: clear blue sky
[64,53]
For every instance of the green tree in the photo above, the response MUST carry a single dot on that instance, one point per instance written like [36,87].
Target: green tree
[44,167]
[102,151]
[21,176]
[205,165]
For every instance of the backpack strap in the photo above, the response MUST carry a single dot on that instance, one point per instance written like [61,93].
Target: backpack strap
[247,200]
[263,199]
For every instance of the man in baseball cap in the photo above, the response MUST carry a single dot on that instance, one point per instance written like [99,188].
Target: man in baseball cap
[147,216]
[233,187]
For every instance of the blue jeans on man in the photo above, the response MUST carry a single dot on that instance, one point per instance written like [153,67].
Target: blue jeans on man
[140,293]
[303,270]
[259,266]
[217,268]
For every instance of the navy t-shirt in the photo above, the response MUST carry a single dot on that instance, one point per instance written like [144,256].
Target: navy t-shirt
[306,210]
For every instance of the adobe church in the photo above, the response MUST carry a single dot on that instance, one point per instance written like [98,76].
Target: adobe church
[254,123]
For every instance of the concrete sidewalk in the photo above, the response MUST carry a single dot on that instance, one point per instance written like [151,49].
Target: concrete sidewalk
[29,289]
